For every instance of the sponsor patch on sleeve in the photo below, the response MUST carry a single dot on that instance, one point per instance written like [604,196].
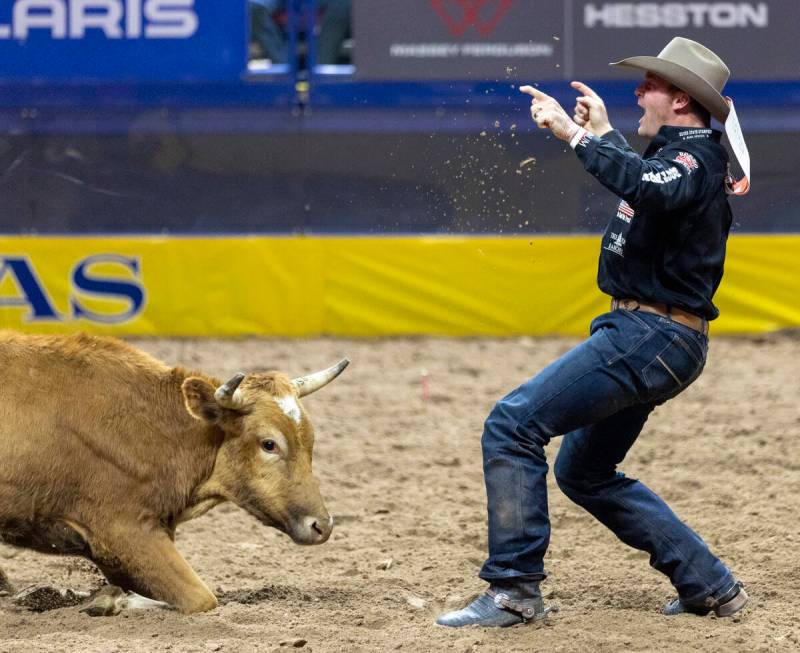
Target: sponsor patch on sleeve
[662,176]
[687,161]
[625,212]
[581,138]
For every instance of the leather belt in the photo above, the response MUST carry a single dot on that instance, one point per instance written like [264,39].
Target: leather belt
[673,313]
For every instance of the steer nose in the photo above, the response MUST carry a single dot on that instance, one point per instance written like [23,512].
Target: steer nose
[317,529]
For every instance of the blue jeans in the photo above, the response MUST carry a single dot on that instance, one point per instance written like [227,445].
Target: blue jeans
[599,394]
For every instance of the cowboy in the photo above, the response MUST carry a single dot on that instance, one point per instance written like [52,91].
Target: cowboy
[661,261]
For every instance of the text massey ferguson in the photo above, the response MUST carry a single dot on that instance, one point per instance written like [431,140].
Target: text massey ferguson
[116,19]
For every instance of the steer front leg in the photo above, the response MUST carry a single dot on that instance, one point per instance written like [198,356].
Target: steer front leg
[150,565]
[6,587]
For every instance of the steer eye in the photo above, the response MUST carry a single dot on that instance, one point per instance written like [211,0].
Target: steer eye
[269,446]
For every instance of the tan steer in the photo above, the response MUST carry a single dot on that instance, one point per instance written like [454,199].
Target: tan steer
[104,451]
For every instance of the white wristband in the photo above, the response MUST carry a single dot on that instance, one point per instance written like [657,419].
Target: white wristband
[577,136]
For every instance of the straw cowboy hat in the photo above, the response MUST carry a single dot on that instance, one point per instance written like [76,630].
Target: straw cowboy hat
[692,68]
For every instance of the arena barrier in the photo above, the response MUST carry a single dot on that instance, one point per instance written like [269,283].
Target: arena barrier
[352,286]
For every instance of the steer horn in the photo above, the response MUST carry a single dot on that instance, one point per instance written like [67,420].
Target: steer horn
[305,385]
[227,395]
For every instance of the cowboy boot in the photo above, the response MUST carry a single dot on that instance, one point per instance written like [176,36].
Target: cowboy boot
[505,603]
[726,603]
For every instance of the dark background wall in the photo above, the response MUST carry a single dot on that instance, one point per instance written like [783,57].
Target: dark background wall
[486,175]
[180,135]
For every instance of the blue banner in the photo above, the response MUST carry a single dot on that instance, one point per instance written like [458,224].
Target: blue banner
[122,40]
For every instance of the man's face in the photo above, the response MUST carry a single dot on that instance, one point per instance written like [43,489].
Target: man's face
[656,97]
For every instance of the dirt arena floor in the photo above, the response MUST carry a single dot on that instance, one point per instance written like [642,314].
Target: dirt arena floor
[402,476]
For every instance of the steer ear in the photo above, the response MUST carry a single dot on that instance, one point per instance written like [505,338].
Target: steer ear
[198,395]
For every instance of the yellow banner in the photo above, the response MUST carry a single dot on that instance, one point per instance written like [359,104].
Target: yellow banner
[352,286]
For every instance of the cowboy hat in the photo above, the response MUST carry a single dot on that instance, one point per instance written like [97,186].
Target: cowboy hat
[691,67]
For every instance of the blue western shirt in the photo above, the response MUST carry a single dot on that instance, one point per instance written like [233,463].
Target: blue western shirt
[666,240]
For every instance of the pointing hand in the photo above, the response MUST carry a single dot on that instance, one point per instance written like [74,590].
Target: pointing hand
[590,110]
[547,113]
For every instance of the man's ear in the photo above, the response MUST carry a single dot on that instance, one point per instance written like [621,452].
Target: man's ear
[681,101]
[198,395]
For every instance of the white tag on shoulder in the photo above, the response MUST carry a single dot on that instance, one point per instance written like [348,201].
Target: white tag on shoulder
[735,137]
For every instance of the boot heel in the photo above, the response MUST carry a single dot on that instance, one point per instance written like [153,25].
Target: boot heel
[730,608]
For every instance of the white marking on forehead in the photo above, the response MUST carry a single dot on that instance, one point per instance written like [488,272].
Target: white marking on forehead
[289,406]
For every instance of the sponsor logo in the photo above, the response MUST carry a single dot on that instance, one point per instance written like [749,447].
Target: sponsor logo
[687,161]
[617,244]
[94,281]
[459,15]
[464,18]
[625,212]
[115,19]
[452,50]
[722,15]
[662,176]
[695,133]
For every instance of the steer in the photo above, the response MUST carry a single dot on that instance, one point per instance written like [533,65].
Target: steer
[104,450]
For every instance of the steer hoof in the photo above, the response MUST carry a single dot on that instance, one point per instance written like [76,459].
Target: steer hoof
[106,602]
[6,588]
[111,600]
[41,599]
